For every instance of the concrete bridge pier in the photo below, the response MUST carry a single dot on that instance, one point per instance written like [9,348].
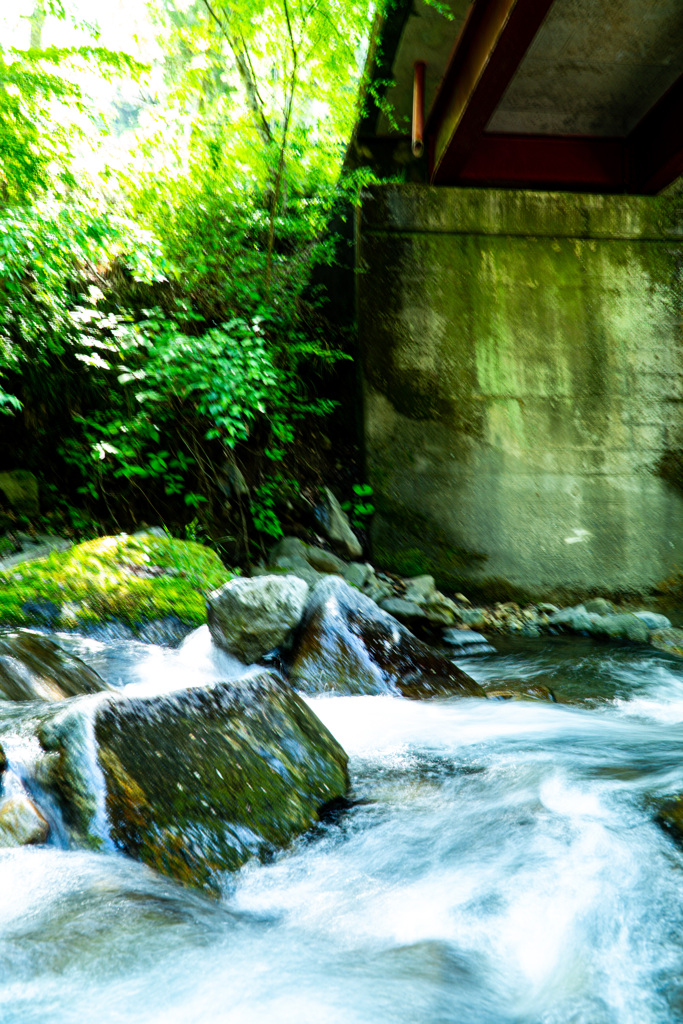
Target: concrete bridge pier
[522,371]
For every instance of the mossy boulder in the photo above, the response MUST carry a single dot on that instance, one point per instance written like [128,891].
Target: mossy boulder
[349,645]
[198,780]
[132,579]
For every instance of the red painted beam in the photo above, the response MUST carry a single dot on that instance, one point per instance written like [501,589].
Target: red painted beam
[655,146]
[487,53]
[577,163]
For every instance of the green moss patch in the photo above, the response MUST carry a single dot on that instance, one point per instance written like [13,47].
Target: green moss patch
[131,579]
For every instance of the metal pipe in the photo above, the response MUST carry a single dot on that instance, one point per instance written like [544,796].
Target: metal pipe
[419,108]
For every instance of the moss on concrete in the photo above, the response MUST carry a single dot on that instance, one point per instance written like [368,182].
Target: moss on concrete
[131,579]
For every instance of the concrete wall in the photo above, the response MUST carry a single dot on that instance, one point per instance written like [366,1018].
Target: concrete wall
[523,385]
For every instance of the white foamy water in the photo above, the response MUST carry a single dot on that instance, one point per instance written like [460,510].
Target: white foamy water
[499,864]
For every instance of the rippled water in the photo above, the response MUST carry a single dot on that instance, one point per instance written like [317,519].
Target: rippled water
[499,863]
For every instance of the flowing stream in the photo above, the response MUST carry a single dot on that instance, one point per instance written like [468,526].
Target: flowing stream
[499,864]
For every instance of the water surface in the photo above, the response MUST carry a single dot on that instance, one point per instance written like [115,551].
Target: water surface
[499,865]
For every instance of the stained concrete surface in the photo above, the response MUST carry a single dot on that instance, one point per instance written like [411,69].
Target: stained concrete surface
[523,383]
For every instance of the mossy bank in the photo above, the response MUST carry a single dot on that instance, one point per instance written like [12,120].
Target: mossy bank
[135,580]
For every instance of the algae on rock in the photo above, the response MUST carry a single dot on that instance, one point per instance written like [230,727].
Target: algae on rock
[198,780]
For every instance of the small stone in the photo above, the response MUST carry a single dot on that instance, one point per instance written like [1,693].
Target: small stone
[600,606]
[357,574]
[462,599]
[21,822]
[547,609]
[403,610]
[462,637]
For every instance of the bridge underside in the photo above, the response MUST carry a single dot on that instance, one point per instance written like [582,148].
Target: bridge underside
[583,95]
[521,336]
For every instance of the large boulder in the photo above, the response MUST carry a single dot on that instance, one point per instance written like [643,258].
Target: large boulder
[249,617]
[196,781]
[33,667]
[349,645]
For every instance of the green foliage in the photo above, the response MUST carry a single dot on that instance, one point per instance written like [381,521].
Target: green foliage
[43,249]
[142,350]
[39,105]
[360,509]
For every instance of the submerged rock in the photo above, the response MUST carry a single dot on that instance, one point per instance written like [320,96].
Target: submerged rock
[670,818]
[668,640]
[196,781]
[521,691]
[349,645]
[33,667]
[249,617]
[21,823]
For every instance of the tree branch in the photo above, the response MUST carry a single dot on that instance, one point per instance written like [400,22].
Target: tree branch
[247,77]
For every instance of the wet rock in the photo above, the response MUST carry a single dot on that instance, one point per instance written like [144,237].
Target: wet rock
[670,817]
[249,617]
[521,691]
[199,780]
[21,823]
[335,524]
[463,637]
[653,620]
[467,641]
[576,620]
[668,640]
[33,667]
[617,626]
[349,645]
[624,626]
